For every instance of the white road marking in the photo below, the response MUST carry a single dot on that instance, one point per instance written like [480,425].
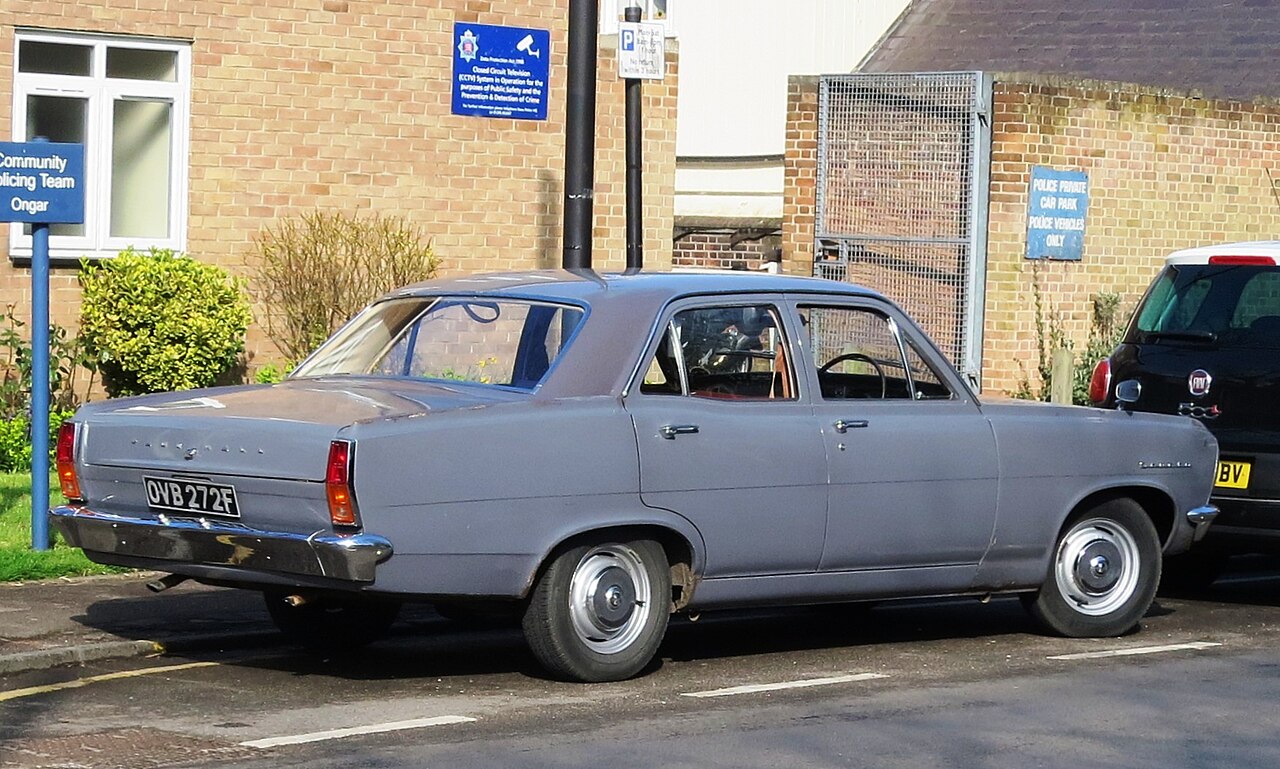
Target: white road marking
[756,688]
[337,734]
[1193,646]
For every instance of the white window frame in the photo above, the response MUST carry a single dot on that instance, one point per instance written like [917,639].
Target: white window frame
[102,93]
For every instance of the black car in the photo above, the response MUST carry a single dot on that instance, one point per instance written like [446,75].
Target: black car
[1205,343]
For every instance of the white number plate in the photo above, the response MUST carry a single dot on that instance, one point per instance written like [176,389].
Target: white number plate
[184,495]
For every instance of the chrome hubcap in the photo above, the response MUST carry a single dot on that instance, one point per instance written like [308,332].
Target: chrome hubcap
[1097,566]
[609,598]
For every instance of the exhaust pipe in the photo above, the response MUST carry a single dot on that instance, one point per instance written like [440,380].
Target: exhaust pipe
[166,582]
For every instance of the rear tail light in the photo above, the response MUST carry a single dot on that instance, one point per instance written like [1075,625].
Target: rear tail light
[1100,382]
[65,461]
[1241,259]
[337,484]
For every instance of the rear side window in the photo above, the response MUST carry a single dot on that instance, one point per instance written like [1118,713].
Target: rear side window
[477,340]
[1235,305]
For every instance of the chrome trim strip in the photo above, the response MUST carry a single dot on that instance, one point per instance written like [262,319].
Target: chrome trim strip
[353,557]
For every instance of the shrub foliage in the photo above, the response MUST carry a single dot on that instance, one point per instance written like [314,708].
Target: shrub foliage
[160,321]
[318,269]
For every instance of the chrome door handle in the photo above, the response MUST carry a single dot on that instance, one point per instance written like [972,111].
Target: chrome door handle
[844,425]
[671,431]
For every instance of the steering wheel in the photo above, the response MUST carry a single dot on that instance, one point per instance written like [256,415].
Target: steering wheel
[884,381]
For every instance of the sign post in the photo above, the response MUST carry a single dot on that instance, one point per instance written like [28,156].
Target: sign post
[41,183]
[641,56]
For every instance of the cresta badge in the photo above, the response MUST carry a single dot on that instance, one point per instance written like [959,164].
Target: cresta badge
[1199,382]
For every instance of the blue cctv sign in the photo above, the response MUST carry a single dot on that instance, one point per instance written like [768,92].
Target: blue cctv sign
[1055,214]
[41,182]
[500,71]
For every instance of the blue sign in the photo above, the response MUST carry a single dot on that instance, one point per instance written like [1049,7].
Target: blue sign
[41,182]
[1055,216]
[500,71]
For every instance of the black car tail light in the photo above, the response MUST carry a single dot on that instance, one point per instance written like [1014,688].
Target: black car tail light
[65,460]
[1100,382]
[1242,259]
[337,484]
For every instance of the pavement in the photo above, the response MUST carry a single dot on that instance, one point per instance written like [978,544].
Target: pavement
[48,623]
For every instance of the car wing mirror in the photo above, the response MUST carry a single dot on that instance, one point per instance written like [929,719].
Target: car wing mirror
[1127,393]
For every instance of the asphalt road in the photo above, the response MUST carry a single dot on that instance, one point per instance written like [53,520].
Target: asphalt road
[922,684]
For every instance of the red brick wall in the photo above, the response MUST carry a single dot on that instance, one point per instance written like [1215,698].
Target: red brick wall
[713,250]
[345,105]
[800,174]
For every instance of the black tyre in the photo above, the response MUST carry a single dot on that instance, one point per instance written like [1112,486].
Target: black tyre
[600,610]
[331,624]
[1104,573]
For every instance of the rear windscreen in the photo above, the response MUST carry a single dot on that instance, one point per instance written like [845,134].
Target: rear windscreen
[1234,305]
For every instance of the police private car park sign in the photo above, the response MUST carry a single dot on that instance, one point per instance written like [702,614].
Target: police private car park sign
[41,183]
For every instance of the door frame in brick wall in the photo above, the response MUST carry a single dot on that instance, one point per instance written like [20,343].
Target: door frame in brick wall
[902,196]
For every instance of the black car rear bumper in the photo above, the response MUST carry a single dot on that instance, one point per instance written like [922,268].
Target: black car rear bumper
[200,541]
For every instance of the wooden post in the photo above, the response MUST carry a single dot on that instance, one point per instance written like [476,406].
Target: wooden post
[1061,377]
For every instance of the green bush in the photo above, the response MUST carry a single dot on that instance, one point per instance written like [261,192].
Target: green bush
[317,270]
[66,358]
[269,373]
[15,440]
[160,321]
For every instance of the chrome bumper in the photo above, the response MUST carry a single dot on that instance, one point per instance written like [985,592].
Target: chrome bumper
[219,543]
[1200,518]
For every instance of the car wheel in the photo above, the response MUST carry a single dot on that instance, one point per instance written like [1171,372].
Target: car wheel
[1104,573]
[331,624]
[600,610]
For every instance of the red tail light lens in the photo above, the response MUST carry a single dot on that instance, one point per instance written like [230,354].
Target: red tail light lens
[1241,259]
[1100,382]
[337,484]
[65,460]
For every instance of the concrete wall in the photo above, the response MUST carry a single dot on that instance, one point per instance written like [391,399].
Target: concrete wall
[345,105]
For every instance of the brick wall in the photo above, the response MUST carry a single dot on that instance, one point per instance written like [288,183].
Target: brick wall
[345,105]
[1166,171]
[713,250]
[800,174]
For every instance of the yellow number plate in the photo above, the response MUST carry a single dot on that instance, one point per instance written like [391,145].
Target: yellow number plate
[1232,475]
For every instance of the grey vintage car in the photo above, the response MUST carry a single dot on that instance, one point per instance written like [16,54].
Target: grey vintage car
[595,452]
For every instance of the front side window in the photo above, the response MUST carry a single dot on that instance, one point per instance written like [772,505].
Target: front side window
[476,340]
[725,353]
[127,101]
[861,353]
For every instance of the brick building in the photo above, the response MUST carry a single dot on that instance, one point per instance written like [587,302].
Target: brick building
[216,118]
[1171,111]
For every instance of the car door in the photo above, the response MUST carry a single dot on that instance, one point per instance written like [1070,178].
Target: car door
[726,440]
[912,460]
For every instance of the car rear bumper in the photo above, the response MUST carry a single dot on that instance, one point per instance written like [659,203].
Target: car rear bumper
[1200,518]
[351,558]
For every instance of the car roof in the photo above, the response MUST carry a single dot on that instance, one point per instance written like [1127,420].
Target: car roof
[588,286]
[1201,254]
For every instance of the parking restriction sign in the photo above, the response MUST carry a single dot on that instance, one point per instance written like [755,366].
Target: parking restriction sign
[641,50]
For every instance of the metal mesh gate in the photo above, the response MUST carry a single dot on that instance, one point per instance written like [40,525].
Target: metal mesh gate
[903,165]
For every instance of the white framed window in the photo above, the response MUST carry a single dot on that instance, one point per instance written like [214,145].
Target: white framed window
[128,101]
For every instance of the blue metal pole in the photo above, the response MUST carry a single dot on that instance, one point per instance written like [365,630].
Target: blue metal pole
[40,386]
